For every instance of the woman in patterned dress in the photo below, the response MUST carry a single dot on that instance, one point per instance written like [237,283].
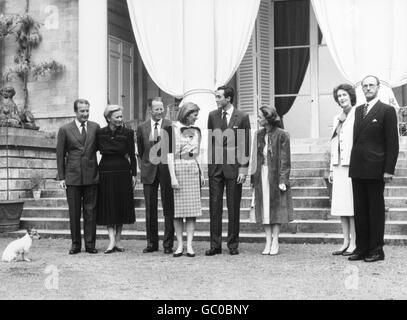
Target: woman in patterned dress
[186,174]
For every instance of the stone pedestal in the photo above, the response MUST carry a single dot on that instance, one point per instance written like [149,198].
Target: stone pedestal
[25,152]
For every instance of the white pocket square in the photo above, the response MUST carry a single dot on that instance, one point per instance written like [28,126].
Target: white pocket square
[374,120]
[235,127]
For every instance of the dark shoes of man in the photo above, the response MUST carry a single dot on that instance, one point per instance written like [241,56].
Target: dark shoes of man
[375,257]
[92,251]
[233,252]
[213,251]
[149,249]
[74,251]
[367,258]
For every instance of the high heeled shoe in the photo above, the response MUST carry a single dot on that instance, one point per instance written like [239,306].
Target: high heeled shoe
[118,249]
[339,252]
[177,255]
[108,251]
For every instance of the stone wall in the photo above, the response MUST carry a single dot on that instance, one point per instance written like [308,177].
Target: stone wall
[29,152]
[51,98]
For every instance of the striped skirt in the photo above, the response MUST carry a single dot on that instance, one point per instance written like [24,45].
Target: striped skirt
[187,199]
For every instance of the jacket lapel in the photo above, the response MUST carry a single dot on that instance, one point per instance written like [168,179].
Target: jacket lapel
[362,123]
[75,132]
[233,119]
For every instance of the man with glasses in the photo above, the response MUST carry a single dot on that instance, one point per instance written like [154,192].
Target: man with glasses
[372,164]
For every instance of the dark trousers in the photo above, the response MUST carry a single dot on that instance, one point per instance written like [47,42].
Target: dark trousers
[368,199]
[217,183]
[85,197]
[167,200]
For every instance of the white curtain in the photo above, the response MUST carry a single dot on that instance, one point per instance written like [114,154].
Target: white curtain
[190,47]
[366,37]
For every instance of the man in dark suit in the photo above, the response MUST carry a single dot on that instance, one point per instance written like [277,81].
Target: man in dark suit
[228,151]
[372,163]
[78,174]
[155,173]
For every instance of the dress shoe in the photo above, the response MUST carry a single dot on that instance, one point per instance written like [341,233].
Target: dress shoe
[233,252]
[168,250]
[375,257]
[92,251]
[108,251]
[213,251]
[348,253]
[339,252]
[118,249]
[177,255]
[149,249]
[74,251]
[356,256]
[190,255]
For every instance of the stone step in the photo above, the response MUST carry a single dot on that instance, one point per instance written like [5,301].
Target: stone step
[244,237]
[299,213]
[297,226]
[298,202]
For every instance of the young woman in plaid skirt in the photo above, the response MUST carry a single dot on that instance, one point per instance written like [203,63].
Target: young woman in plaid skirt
[186,174]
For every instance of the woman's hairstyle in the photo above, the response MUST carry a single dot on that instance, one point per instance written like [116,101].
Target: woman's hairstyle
[110,109]
[271,115]
[349,89]
[186,110]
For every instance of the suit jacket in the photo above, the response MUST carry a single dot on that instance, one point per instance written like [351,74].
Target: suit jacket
[375,142]
[148,170]
[238,147]
[76,161]
[345,140]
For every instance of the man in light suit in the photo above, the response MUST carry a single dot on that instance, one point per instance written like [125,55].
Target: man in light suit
[372,164]
[228,150]
[154,173]
[78,174]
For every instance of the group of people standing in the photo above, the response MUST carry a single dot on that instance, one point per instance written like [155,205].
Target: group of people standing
[364,152]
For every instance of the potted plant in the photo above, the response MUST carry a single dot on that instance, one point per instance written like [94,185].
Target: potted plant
[37,184]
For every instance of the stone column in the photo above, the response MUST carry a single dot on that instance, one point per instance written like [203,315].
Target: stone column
[93,62]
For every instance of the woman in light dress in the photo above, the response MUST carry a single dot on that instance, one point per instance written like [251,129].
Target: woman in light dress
[341,147]
[186,174]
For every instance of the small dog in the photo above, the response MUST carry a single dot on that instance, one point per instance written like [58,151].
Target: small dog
[20,246]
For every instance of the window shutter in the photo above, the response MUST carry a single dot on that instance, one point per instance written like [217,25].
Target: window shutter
[254,76]
[265,54]
[246,79]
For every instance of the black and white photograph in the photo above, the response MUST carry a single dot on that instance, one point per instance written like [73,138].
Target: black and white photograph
[203,154]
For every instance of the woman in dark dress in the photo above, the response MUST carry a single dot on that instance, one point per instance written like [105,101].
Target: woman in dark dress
[117,172]
[271,176]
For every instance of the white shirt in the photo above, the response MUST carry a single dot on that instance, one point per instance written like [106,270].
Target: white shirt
[79,125]
[228,113]
[158,126]
[371,103]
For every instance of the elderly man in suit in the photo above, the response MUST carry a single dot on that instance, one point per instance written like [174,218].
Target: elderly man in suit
[372,164]
[229,139]
[78,174]
[155,173]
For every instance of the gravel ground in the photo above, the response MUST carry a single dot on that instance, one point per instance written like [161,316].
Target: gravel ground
[298,272]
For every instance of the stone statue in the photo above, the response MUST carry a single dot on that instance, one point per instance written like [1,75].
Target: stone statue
[9,114]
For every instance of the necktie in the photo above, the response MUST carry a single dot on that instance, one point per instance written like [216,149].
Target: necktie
[83,133]
[155,135]
[365,110]
[224,121]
